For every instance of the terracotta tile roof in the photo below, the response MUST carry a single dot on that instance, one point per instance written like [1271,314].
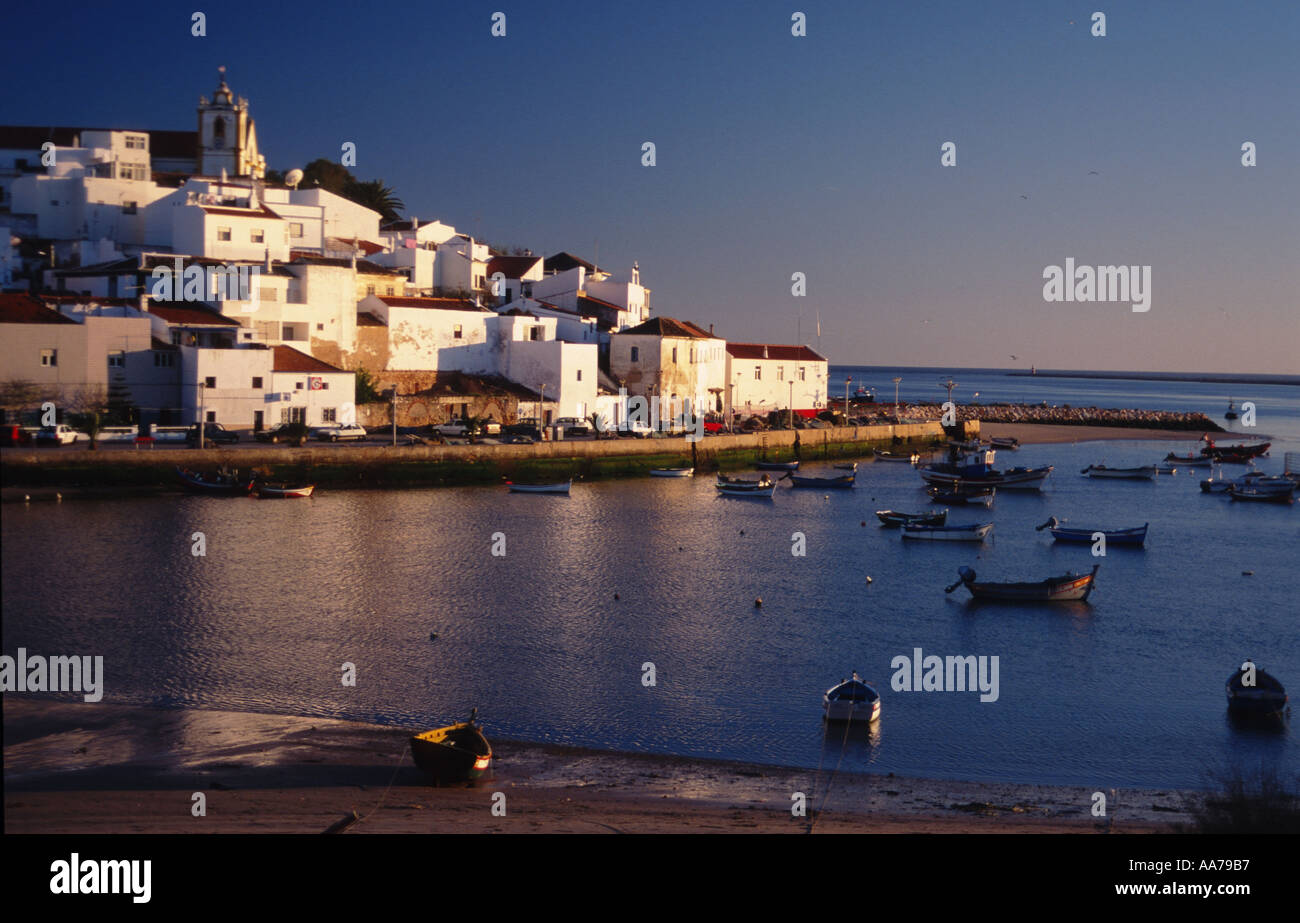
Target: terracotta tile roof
[368,247]
[667,327]
[22,308]
[563,262]
[512,267]
[288,359]
[260,212]
[772,351]
[440,304]
[189,314]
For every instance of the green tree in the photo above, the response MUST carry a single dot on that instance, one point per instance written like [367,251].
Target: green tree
[366,393]
[373,194]
[328,175]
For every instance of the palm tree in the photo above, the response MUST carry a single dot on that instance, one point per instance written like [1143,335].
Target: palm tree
[373,194]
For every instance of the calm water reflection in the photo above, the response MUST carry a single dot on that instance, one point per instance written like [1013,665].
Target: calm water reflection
[1125,691]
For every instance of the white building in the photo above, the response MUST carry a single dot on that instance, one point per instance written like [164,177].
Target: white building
[671,361]
[763,377]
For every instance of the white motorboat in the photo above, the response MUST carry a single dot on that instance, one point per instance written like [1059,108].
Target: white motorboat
[672,472]
[851,700]
[561,488]
[975,532]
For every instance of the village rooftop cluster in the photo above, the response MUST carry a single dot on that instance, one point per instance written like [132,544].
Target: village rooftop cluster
[163,274]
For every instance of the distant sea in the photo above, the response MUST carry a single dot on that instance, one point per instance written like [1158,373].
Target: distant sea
[1276,397]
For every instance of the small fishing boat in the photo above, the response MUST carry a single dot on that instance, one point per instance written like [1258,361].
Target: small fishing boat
[1232,411]
[960,494]
[847,466]
[672,472]
[975,532]
[282,491]
[910,459]
[760,490]
[560,488]
[1239,451]
[222,484]
[763,480]
[1054,589]
[840,482]
[1135,537]
[1140,473]
[851,700]
[1005,442]
[974,467]
[1265,698]
[1264,493]
[456,753]
[778,466]
[893,519]
[1190,461]
[1221,485]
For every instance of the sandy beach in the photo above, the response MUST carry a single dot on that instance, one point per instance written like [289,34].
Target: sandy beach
[1045,433]
[94,768]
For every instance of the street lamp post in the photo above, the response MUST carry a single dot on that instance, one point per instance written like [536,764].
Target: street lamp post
[847,379]
[541,412]
[896,381]
[792,403]
[394,412]
[202,414]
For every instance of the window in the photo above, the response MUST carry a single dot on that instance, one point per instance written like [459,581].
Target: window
[295,229]
[320,326]
[801,373]
[327,415]
[635,353]
[692,354]
[136,142]
[176,337]
[758,373]
[257,384]
[223,233]
[210,382]
[390,290]
[130,208]
[456,332]
[298,385]
[163,360]
[579,374]
[132,171]
[117,360]
[370,289]
[324,385]
[49,357]
[212,416]
[780,373]
[256,236]
[674,355]
[534,333]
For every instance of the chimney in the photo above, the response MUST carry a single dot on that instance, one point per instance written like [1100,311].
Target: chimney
[415,223]
[765,351]
[710,330]
[268,260]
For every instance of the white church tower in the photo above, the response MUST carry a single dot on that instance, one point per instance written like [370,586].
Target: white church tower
[227,138]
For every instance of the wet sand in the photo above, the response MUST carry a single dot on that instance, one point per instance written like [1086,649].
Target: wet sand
[95,768]
[1045,433]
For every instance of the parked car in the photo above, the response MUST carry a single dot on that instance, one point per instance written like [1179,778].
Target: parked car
[460,428]
[212,432]
[635,428]
[528,427]
[573,426]
[336,432]
[292,433]
[60,434]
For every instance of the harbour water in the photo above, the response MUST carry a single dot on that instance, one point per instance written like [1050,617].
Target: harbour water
[550,641]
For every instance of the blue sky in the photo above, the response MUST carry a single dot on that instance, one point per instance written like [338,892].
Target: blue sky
[778,154]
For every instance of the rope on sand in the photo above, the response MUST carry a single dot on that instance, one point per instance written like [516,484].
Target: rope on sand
[346,822]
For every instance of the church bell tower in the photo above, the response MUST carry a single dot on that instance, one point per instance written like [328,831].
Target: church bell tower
[227,138]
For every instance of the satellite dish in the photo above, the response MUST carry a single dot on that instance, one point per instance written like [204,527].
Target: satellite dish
[293,178]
